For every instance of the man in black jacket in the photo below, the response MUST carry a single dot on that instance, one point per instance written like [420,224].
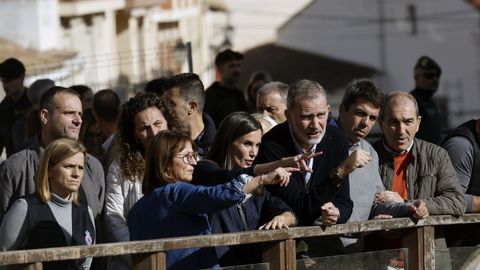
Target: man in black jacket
[321,196]
[223,97]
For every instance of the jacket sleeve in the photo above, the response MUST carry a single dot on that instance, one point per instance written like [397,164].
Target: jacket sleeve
[461,153]
[209,173]
[5,189]
[13,231]
[192,199]
[448,198]
[393,209]
[95,187]
[116,224]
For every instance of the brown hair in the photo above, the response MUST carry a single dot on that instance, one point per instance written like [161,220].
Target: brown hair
[131,159]
[159,159]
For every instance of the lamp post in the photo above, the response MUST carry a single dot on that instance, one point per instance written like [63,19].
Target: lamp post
[182,51]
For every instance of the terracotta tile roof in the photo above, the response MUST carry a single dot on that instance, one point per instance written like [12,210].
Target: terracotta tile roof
[34,60]
[287,65]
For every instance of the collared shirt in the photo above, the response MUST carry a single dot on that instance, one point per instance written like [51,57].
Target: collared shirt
[300,150]
[393,152]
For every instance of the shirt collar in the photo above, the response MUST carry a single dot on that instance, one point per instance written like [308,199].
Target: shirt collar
[393,152]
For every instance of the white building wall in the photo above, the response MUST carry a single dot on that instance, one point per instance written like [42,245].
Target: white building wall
[448,31]
[30,23]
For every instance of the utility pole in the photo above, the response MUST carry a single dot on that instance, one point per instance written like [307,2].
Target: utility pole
[381,36]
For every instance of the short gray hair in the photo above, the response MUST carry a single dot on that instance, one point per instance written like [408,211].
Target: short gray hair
[304,89]
[271,87]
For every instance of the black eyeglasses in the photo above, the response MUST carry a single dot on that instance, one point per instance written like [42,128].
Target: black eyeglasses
[189,157]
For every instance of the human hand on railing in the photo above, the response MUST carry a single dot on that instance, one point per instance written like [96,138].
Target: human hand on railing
[330,214]
[357,159]
[388,196]
[279,176]
[278,222]
[418,209]
[300,161]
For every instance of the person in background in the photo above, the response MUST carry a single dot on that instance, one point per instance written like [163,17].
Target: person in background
[29,125]
[266,121]
[141,118]
[234,149]
[15,104]
[53,216]
[91,135]
[223,97]
[427,76]
[157,86]
[462,145]
[257,80]
[86,95]
[173,207]
[272,100]
[186,95]
[106,109]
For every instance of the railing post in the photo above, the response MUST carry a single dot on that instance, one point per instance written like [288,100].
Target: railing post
[291,254]
[149,261]
[421,248]
[276,253]
[414,242]
[429,247]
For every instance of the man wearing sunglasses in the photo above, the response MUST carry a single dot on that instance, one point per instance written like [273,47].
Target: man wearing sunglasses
[427,75]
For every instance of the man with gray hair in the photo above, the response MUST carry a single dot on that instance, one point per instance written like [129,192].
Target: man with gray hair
[323,193]
[272,100]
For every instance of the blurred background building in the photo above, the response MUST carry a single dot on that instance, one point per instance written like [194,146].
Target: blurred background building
[121,44]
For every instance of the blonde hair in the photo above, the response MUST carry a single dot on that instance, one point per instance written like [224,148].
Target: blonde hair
[56,152]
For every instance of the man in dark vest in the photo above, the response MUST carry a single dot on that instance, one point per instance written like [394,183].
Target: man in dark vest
[463,147]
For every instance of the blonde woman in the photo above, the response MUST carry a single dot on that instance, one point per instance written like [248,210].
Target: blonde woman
[52,216]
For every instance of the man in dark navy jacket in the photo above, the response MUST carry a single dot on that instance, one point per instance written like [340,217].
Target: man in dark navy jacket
[322,196]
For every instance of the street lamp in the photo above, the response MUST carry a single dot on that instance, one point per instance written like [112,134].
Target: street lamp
[182,51]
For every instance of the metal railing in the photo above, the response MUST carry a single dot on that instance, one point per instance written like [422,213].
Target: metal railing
[279,246]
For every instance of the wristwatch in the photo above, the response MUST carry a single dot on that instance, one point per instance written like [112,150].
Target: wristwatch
[337,179]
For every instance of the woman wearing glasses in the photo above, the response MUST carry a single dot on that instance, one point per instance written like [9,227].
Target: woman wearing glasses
[172,207]
[141,118]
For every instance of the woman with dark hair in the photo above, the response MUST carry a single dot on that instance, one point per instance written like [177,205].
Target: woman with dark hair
[172,207]
[141,118]
[232,153]
[52,216]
